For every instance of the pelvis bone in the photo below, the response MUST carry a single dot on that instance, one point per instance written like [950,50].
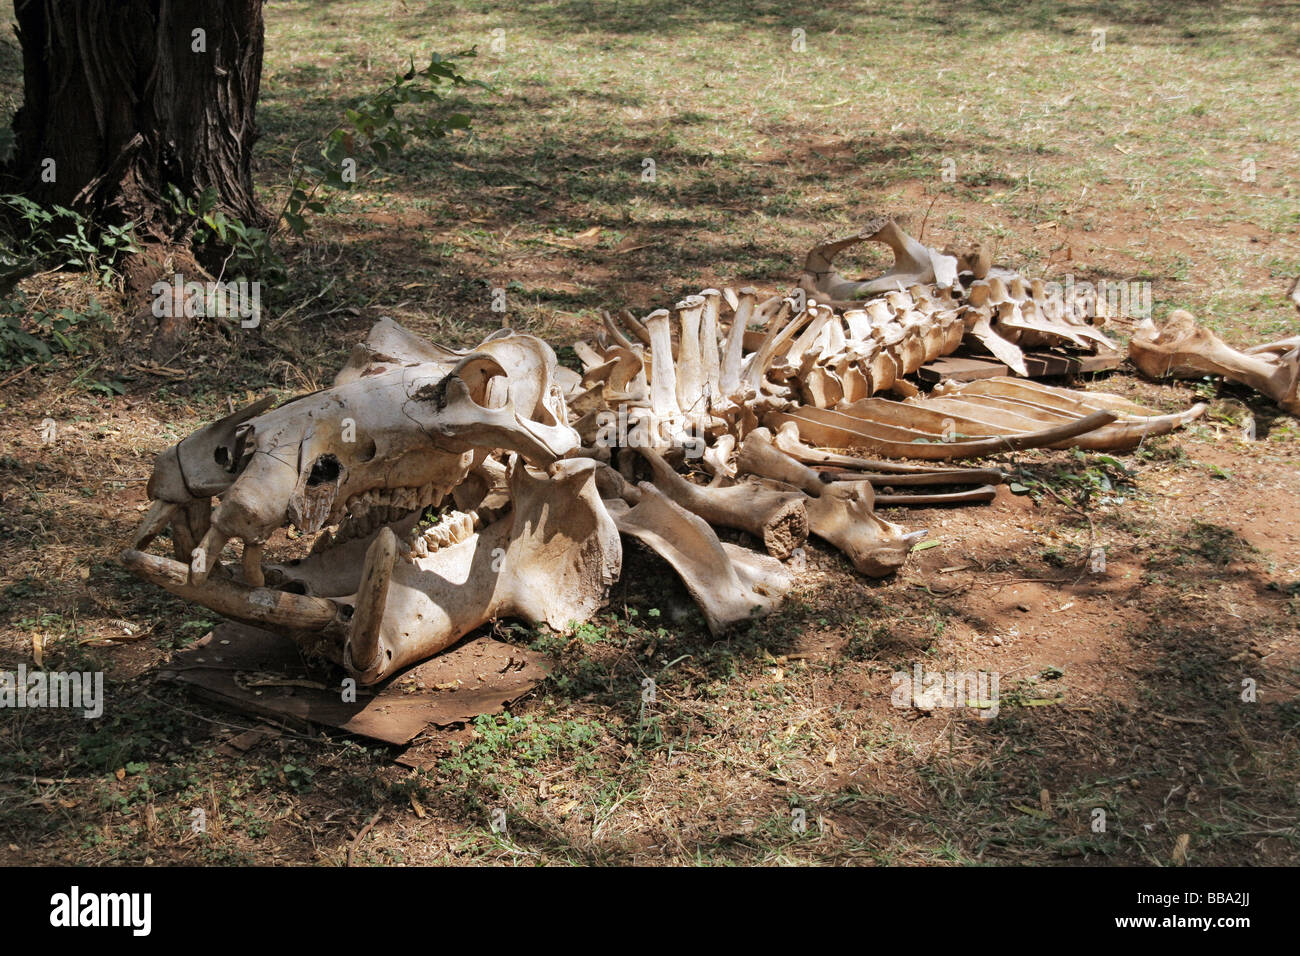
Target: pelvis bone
[1182,349]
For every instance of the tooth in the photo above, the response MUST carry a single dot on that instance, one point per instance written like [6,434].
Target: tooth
[421,547]
[324,541]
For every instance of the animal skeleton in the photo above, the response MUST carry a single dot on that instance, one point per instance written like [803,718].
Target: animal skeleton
[445,489]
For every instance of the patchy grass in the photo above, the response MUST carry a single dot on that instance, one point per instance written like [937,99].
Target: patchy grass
[1122,692]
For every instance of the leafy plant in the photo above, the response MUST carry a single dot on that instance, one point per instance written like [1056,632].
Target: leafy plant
[30,336]
[1102,478]
[33,237]
[377,125]
[58,237]
[248,253]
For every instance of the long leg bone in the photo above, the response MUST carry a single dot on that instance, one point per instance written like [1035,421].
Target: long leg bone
[843,513]
[775,518]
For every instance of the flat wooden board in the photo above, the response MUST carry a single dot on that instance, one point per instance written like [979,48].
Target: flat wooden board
[261,673]
[962,367]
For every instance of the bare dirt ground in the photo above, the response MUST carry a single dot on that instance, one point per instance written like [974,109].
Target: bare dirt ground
[1153,701]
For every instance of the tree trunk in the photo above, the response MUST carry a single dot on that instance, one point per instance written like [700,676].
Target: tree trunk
[123,97]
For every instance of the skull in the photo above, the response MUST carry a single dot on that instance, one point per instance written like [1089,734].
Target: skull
[405,428]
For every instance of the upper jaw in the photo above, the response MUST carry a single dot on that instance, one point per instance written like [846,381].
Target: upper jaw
[371,450]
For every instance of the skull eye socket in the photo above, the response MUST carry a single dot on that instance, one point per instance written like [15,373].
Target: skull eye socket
[486,380]
[326,469]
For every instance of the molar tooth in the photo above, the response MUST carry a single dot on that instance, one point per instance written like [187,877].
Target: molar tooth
[453,532]
[364,524]
[421,547]
[324,541]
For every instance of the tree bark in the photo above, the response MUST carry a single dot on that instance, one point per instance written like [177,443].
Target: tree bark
[126,98]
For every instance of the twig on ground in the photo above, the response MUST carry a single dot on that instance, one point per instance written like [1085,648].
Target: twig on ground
[356,842]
